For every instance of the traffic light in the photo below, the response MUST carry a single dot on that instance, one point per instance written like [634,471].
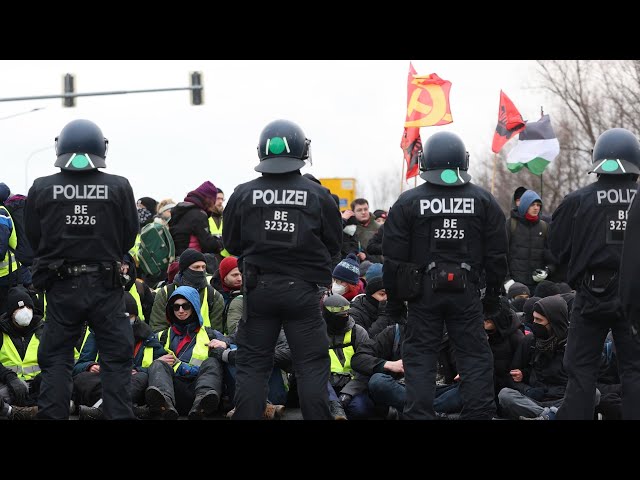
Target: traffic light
[69,87]
[197,89]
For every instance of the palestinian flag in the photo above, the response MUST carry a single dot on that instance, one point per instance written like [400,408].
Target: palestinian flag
[537,147]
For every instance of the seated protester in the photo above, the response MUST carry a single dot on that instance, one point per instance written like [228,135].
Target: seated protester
[278,381]
[19,371]
[546,289]
[142,294]
[368,310]
[381,361]
[185,381]
[230,288]
[348,397]
[518,290]
[517,305]
[191,272]
[538,372]
[346,278]
[87,384]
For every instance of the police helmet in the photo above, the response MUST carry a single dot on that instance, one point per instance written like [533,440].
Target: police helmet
[282,148]
[444,160]
[616,152]
[335,309]
[81,146]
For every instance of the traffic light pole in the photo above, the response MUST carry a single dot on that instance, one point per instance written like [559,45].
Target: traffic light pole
[196,92]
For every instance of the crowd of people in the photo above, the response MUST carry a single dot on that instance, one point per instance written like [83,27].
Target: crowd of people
[440,307]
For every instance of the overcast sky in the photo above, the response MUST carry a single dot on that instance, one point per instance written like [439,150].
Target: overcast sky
[353,111]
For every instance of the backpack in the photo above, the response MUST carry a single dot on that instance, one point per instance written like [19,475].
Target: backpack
[156,250]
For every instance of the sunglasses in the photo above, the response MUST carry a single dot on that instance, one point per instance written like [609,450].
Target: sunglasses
[185,306]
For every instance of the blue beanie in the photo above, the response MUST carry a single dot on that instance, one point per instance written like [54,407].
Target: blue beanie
[526,200]
[374,279]
[5,192]
[348,270]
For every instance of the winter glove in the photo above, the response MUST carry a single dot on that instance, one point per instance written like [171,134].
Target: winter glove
[217,353]
[19,390]
[540,274]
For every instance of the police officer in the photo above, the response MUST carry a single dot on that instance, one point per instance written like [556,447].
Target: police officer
[588,234]
[284,229]
[81,222]
[440,239]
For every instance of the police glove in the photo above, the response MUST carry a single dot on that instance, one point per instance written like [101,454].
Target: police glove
[540,274]
[19,390]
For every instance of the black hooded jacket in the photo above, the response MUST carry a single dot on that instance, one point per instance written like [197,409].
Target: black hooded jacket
[504,342]
[368,313]
[544,370]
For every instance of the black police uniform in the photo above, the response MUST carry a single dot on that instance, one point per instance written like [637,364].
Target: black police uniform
[587,234]
[452,232]
[285,230]
[80,224]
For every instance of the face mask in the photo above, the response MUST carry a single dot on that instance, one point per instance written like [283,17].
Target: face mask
[132,320]
[490,332]
[23,317]
[539,331]
[350,230]
[336,323]
[338,289]
[194,279]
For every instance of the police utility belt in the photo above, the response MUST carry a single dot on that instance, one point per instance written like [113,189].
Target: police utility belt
[444,276]
[110,271]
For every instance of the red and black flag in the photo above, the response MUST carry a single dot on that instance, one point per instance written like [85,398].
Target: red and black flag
[510,123]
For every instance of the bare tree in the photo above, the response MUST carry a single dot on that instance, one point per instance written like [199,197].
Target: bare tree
[383,187]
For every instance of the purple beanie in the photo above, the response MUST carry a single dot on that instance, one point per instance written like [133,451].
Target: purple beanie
[207,190]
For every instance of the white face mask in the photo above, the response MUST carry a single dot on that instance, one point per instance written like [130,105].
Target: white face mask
[338,289]
[23,317]
[132,320]
[350,230]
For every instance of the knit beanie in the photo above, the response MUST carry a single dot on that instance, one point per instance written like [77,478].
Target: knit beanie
[226,265]
[207,190]
[546,289]
[518,288]
[364,266]
[5,192]
[131,306]
[374,279]
[18,297]
[188,257]
[348,270]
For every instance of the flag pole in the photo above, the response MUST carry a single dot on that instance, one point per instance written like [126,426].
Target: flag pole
[493,174]
[541,187]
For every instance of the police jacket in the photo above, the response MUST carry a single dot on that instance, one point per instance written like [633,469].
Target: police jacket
[433,223]
[80,217]
[630,264]
[589,226]
[284,224]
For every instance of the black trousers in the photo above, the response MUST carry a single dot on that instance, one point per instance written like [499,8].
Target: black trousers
[182,391]
[71,302]
[279,300]
[462,314]
[87,388]
[591,319]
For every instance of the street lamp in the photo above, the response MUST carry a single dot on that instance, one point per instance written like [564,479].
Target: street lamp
[26,166]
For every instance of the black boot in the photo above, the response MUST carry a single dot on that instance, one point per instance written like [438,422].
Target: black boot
[160,404]
[204,405]
[90,413]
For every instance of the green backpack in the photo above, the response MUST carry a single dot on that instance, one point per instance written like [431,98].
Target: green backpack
[156,250]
